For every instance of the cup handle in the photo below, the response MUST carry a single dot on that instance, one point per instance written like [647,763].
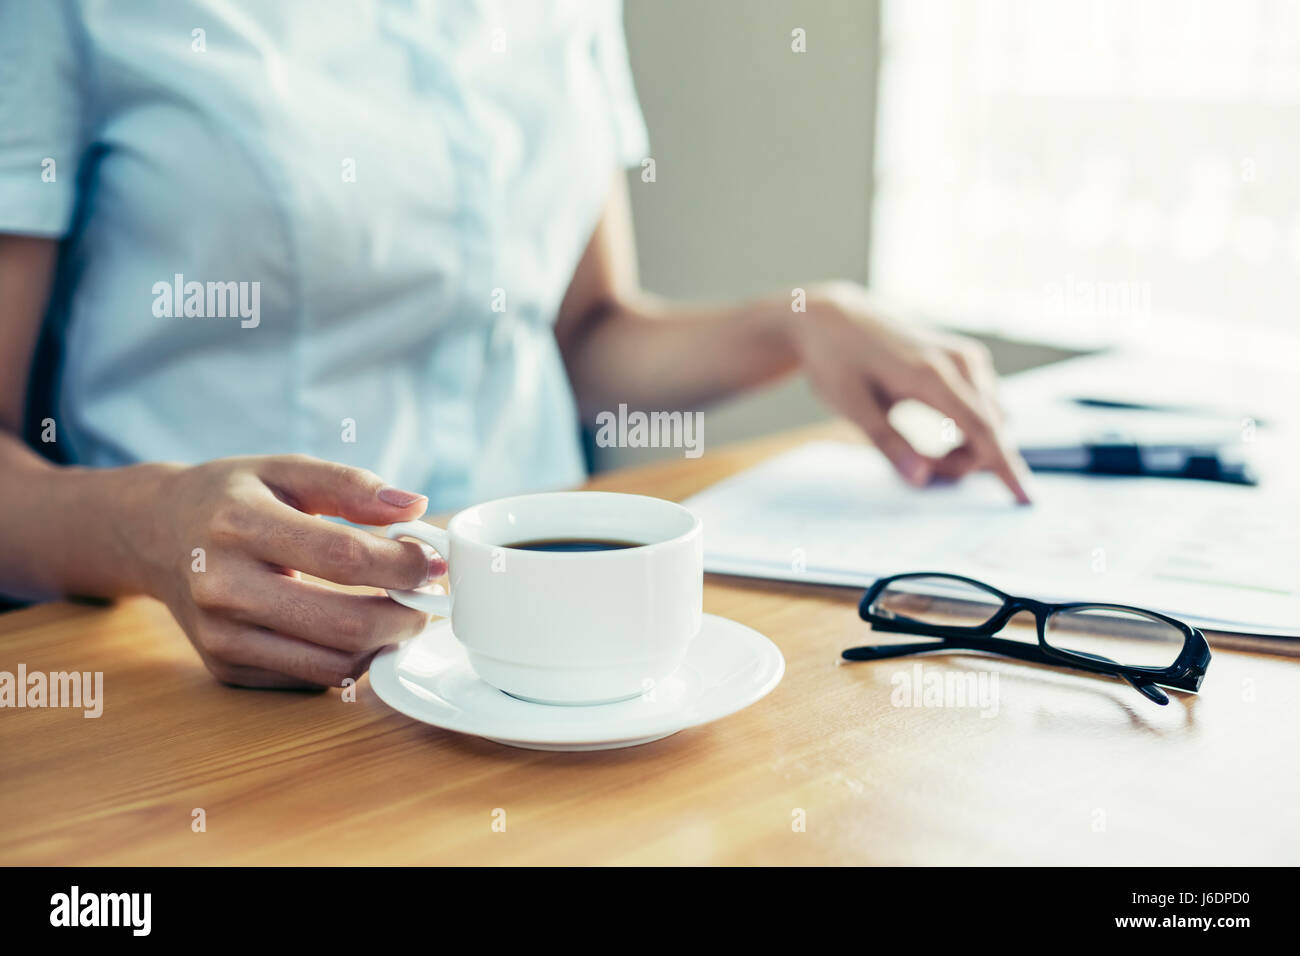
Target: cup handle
[439,604]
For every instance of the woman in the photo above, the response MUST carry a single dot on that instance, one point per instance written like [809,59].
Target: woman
[285,249]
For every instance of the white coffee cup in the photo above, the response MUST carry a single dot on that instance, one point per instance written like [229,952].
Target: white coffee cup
[568,628]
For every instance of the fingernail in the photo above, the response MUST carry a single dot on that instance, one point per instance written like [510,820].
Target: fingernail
[1028,488]
[437,565]
[914,469]
[398,498]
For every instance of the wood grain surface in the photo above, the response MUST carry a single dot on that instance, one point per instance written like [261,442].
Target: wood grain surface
[1070,769]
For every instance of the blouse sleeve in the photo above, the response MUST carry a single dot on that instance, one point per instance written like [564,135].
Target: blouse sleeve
[41,117]
[610,51]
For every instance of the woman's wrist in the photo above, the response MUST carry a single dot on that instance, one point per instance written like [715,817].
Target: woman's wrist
[775,326]
[809,307]
[110,537]
[140,534]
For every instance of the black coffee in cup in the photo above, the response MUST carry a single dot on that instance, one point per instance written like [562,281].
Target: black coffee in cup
[573,545]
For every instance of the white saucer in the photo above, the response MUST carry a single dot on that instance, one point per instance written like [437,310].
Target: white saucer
[728,667]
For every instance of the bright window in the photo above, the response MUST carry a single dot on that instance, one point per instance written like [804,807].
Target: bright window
[1084,172]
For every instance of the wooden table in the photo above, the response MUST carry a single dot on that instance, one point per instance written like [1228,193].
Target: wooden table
[1071,769]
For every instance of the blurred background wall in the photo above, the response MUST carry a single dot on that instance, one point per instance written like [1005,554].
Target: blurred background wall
[763,163]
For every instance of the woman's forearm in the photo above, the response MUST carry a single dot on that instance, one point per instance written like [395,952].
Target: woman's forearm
[62,530]
[652,354]
[71,531]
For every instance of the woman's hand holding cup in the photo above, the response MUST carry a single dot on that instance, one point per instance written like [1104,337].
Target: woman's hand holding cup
[224,545]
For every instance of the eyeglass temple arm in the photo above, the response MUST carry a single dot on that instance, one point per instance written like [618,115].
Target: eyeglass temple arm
[1146,688]
[1016,649]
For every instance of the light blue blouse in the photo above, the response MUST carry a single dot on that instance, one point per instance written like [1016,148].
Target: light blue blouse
[335,227]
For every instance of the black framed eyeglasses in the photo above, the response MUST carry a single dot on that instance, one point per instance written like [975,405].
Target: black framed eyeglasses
[1145,648]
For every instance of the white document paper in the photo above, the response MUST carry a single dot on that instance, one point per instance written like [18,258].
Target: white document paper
[1220,556]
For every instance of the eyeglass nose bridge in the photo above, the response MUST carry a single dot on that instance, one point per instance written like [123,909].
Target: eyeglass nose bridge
[1013,606]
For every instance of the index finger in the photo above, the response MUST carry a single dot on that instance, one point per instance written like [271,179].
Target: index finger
[285,537]
[952,395]
[325,487]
